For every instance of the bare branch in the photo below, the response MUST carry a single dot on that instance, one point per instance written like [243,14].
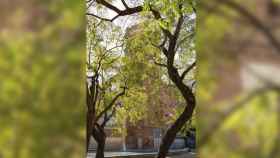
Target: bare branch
[108,5]
[90,4]
[101,18]
[125,5]
[179,26]
[188,70]
[173,40]
[160,64]
[163,42]
[127,11]
[111,104]
[157,16]
[184,40]
[117,46]
[180,22]
[163,49]
[108,117]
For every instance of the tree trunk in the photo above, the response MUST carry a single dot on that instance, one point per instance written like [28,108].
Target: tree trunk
[189,97]
[88,134]
[90,117]
[100,149]
[100,137]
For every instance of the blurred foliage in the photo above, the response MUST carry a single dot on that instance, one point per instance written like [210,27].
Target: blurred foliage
[42,83]
[253,129]
[41,72]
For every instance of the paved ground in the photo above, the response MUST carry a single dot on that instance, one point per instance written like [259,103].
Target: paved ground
[188,155]
[140,155]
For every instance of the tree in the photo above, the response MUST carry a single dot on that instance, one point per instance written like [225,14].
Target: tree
[139,65]
[102,93]
[176,13]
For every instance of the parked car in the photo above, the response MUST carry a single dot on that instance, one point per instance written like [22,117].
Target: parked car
[191,139]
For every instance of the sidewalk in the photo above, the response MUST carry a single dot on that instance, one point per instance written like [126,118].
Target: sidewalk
[174,154]
[187,155]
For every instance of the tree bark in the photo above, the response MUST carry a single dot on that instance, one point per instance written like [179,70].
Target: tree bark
[89,129]
[100,137]
[189,97]
[185,91]
[100,149]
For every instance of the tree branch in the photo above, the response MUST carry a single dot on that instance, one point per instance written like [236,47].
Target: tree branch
[111,104]
[188,70]
[173,40]
[90,4]
[189,36]
[160,64]
[163,42]
[98,17]
[125,5]
[158,17]
[108,117]
[108,5]
[178,27]
[162,46]
[127,11]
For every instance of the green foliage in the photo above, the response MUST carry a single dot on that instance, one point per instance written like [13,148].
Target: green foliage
[139,65]
[248,132]
[251,131]
[151,96]
[41,89]
[170,10]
